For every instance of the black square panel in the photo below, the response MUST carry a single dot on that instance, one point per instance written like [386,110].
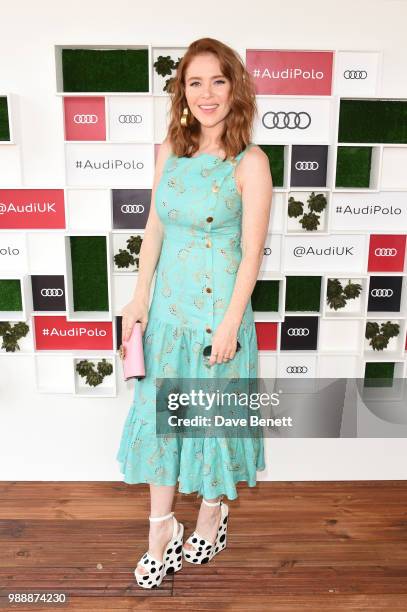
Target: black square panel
[48,292]
[308,165]
[119,330]
[299,333]
[131,208]
[384,293]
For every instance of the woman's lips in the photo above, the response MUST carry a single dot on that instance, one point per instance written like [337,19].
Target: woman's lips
[209,110]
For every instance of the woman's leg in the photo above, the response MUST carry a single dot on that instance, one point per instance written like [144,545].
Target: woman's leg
[161,500]
[208,522]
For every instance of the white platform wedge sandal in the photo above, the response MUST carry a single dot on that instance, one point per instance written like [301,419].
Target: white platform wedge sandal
[204,550]
[171,561]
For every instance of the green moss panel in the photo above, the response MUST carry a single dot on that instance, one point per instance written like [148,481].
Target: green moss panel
[265,294]
[303,293]
[110,70]
[275,153]
[379,374]
[4,122]
[10,295]
[383,121]
[89,273]
[353,166]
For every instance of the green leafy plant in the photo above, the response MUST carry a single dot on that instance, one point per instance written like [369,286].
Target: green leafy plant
[11,334]
[86,369]
[295,207]
[379,336]
[337,295]
[310,220]
[316,203]
[126,257]
[164,66]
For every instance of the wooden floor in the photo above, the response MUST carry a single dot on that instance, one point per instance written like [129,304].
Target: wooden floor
[291,546]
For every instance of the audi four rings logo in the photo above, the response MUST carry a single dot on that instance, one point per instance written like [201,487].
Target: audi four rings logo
[306,165]
[381,292]
[296,369]
[290,120]
[132,208]
[85,118]
[51,292]
[130,119]
[298,331]
[385,252]
[355,74]
[267,251]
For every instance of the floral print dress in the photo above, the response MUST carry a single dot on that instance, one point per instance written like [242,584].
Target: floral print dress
[201,211]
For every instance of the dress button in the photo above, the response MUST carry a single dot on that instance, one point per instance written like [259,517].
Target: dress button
[208,244]
[209,219]
[208,290]
[208,330]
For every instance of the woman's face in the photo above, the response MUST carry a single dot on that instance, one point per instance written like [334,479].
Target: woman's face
[205,86]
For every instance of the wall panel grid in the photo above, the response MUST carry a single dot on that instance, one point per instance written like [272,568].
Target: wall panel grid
[331,295]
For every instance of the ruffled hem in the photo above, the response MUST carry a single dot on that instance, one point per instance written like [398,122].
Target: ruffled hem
[209,466]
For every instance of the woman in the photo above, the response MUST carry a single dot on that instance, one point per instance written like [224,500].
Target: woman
[207,227]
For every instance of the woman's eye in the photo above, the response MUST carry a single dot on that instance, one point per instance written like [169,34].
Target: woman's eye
[197,82]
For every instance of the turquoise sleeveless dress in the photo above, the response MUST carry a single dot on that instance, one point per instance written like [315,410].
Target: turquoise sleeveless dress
[200,208]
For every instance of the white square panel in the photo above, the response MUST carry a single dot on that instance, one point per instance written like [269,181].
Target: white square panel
[271,261]
[296,365]
[89,209]
[325,253]
[109,165]
[394,164]
[357,73]
[46,253]
[385,211]
[341,336]
[284,120]
[339,366]
[130,118]
[13,252]
[54,373]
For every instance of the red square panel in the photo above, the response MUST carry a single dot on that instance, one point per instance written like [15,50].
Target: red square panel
[283,72]
[387,253]
[56,333]
[266,336]
[85,118]
[32,209]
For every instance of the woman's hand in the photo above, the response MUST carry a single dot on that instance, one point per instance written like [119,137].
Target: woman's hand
[224,342]
[136,310]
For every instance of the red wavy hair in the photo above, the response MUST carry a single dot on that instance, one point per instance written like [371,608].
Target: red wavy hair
[243,108]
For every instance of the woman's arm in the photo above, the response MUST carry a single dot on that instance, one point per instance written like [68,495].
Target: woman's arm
[256,189]
[256,186]
[153,235]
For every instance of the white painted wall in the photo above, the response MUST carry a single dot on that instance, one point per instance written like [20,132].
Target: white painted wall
[58,437]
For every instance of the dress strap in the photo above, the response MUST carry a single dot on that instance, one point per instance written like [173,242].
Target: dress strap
[240,155]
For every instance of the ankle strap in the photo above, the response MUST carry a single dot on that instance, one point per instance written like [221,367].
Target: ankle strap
[211,503]
[160,518]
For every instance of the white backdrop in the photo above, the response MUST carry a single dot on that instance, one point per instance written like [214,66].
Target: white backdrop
[57,437]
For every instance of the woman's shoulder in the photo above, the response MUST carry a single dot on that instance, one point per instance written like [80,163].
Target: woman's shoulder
[254,151]
[166,147]
[253,157]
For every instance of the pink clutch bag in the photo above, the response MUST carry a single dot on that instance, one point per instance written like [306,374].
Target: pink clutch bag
[132,355]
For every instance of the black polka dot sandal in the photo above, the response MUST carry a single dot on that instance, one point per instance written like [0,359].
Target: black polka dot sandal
[203,549]
[171,561]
